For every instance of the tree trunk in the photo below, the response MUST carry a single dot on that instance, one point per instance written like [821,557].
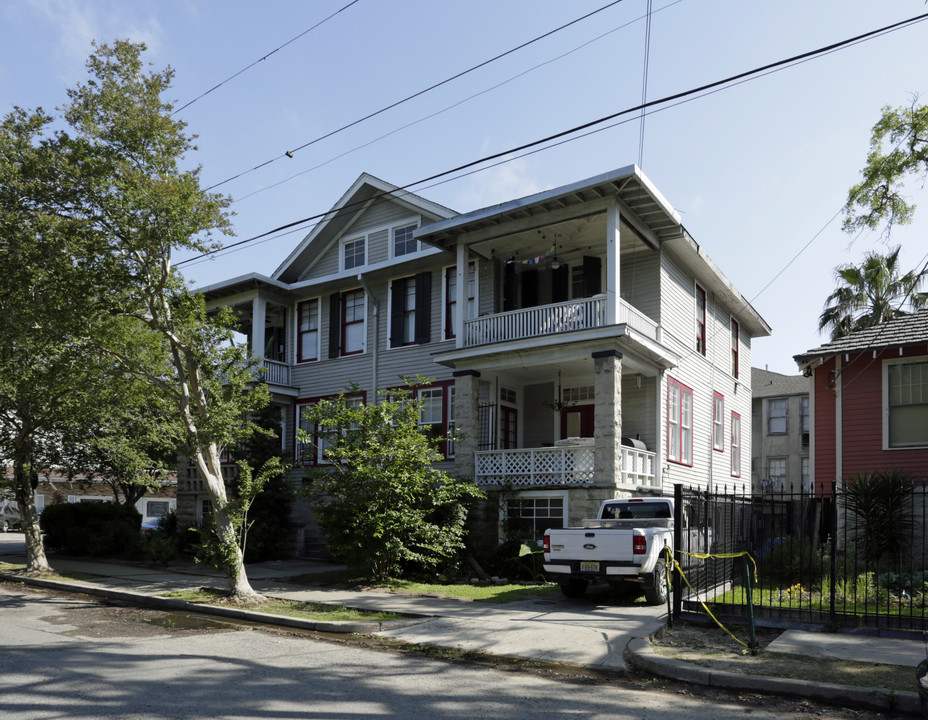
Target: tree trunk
[210,469]
[24,490]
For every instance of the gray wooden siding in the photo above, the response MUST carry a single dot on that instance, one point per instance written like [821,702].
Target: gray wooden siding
[639,410]
[640,282]
[538,422]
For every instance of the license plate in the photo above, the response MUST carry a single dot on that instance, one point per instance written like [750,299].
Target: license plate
[589,567]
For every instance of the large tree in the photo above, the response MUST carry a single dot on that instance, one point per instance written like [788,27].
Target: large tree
[871,293]
[118,183]
[898,152]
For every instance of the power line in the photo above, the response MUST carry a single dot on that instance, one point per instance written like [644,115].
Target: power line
[704,89]
[261,59]
[289,153]
[455,104]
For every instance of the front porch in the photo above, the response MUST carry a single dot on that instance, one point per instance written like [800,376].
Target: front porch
[567,465]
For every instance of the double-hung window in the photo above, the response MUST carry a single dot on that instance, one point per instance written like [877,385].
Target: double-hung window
[403,241]
[451,302]
[410,310]
[347,327]
[308,331]
[311,449]
[679,423]
[776,416]
[700,320]
[906,403]
[718,422]
[735,444]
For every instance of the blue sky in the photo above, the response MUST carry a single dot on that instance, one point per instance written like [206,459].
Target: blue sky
[756,171]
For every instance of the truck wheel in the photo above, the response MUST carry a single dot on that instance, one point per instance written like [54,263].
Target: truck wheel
[574,588]
[656,592]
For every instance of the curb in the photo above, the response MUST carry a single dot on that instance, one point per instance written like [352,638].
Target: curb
[161,603]
[640,654]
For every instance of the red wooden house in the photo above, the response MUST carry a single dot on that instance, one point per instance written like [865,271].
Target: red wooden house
[869,402]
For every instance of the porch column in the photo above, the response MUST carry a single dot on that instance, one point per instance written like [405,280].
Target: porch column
[460,296]
[466,395]
[613,223]
[258,323]
[607,432]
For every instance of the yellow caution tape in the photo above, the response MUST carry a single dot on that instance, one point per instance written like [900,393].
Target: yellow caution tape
[693,590]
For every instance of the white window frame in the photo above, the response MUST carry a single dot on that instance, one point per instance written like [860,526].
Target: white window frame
[414,224]
[718,421]
[887,408]
[779,483]
[530,495]
[148,504]
[776,402]
[342,249]
[735,444]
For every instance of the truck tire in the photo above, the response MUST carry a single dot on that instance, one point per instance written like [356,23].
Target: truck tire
[656,592]
[574,588]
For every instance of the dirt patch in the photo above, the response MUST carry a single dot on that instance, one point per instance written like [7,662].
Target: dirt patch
[712,647]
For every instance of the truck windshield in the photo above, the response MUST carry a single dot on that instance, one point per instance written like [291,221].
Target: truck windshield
[636,511]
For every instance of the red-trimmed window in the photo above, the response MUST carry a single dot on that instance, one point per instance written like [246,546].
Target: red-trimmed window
[735,444]
[352,332]
[700,320]
[679,422]
[451,303]
[718,421]
[308,331]
[313,453]
[735,347]
[436,417]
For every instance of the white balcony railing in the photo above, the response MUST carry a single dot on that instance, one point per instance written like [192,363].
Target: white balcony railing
[275,372]
[552,319]
[561,465]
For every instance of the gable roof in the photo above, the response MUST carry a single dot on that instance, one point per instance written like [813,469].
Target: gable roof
[901,332]
[366,190]
[765,383]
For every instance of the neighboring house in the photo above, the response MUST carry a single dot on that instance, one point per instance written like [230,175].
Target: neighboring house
[55,488]
[780,432]
[582,345]
[870,401]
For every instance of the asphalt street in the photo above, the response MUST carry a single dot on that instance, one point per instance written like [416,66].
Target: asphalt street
[54,664]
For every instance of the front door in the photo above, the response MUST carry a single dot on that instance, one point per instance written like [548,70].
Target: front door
[508,427]
[577,421]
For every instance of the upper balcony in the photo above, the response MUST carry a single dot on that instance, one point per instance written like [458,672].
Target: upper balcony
[582,314]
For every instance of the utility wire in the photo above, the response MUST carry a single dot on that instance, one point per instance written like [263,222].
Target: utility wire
[644,84]
[261,59]
[453,105]
[713,86]
[289,153]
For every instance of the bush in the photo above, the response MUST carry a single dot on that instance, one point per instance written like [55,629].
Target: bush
[163,544]
[95,528]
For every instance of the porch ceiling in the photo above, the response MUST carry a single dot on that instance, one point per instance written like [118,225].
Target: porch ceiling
[574,212]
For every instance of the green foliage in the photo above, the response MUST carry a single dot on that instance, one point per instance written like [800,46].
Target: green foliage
[382,504]
[898,151]
[879,514]
[872,293]
[162,544]
[92,528]
[515,560]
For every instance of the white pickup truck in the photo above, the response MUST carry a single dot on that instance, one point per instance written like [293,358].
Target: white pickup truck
[630,541]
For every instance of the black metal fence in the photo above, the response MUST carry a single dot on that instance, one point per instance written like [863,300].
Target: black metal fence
[840,558]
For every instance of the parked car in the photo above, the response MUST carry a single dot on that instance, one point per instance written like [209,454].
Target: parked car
[150,526]
[10,519]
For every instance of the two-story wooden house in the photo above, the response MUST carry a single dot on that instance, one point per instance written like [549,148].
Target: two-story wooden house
[583,346]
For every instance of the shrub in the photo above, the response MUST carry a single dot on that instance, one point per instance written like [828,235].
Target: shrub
[95,528]
[879,513]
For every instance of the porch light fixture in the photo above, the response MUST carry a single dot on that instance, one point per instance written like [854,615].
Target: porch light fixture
[555,263]
[558,403]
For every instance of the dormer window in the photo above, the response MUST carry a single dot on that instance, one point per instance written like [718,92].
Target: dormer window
[403,241]
[353,253]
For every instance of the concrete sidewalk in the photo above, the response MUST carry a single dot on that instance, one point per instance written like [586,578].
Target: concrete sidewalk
[547,629]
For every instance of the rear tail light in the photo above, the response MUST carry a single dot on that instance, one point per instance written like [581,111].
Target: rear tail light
[639,545]
[546,546]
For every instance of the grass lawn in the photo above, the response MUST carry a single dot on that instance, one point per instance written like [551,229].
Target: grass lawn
[290,608]
[480,593]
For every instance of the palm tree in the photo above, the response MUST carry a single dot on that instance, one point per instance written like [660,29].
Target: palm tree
[872,293]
